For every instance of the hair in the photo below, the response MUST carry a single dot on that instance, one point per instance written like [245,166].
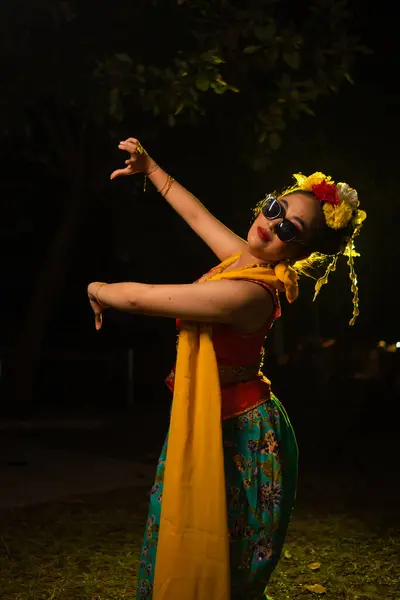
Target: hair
[333,235]
[324,242]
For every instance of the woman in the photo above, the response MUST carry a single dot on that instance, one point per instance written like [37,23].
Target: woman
[226,479]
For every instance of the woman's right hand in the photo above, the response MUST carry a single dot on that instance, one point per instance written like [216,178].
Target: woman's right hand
[139,161]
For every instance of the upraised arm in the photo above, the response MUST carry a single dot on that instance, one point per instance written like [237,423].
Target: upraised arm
[219,238]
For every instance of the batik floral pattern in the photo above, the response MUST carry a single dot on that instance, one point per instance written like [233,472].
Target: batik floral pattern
[259,447]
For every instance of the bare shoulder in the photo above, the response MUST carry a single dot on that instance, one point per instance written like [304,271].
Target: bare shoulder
[256,311]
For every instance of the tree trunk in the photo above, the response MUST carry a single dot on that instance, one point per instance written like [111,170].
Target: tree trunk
[27,352]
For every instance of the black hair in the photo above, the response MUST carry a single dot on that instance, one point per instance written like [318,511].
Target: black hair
[325,240]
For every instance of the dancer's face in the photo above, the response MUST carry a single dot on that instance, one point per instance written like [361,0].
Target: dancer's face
[270,236]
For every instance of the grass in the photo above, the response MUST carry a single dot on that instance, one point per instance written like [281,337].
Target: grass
[79,550]
[356,563]
[87,548]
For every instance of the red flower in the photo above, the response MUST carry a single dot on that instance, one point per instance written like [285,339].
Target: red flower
[326,192]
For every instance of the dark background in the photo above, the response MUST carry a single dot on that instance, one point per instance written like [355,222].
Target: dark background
[126,234]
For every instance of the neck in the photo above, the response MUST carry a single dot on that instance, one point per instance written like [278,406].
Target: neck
[246,258]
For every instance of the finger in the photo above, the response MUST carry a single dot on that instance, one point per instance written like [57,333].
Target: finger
[98,321]
[131,148]
[132,140]
[119,172]
[131,161]
[129,144]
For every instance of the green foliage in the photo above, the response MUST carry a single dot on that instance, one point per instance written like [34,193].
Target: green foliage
[252,63]
[279,66]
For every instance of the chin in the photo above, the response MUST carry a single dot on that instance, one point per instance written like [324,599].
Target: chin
[270,251]
[260,252]
[257,252]
[264,254]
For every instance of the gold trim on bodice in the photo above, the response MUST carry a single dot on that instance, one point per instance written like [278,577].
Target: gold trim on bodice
[229,375]
[238,374]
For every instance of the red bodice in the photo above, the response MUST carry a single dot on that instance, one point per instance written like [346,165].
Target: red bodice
[241,354]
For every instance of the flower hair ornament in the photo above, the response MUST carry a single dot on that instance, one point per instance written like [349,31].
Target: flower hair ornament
[340,206]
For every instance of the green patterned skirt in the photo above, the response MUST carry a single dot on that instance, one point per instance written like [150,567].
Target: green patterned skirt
[261,456]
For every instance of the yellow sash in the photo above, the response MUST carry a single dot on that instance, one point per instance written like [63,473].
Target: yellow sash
[192,561]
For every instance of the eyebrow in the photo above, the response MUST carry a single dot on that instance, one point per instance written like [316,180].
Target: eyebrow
[300,221]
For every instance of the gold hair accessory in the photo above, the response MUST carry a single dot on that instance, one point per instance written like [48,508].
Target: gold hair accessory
[350,252]
[324,279]
[340,207]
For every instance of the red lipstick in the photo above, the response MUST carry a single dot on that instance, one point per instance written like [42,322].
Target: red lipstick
[263,234]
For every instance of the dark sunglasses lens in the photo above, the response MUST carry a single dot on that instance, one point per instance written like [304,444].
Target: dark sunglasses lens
[286,231]
[271,209]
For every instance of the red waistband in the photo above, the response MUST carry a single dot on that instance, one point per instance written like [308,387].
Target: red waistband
[238,398]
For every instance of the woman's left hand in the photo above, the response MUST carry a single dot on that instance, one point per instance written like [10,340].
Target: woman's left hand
[97,307]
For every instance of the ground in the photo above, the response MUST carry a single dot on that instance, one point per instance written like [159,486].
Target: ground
[86,548]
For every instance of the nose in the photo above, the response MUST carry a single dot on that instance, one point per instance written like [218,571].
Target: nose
[274,223]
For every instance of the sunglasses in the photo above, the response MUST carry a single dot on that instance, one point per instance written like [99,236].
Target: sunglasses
[285,230]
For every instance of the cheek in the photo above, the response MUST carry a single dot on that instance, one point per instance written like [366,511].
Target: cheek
[252,233]
[256,221]
[275,250]
[280,249]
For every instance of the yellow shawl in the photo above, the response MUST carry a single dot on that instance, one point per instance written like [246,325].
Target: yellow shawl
[192,561]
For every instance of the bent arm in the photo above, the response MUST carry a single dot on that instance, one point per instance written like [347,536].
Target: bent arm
[219,238]
[241,303]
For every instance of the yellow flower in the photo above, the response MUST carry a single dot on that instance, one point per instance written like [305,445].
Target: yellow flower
[339,216]
[300,179]
[359,217]
[306,183]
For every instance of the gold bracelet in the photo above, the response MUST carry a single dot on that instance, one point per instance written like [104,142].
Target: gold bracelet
[165,185]
[155,167]
[170,182]
[146,176]
[97,295]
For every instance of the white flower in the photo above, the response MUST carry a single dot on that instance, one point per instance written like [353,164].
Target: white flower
[348,195]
